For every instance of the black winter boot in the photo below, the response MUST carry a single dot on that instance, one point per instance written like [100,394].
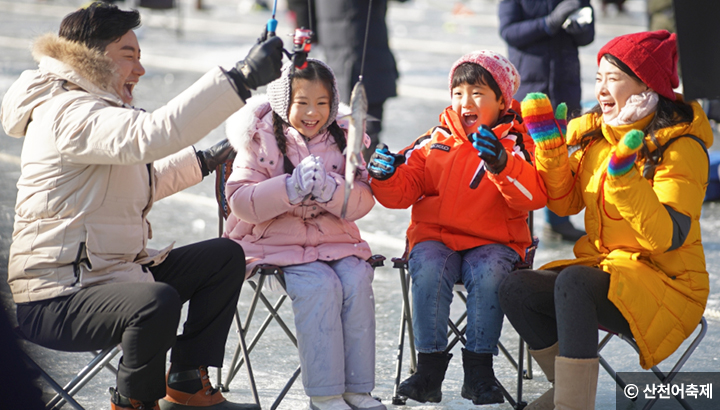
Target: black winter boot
[425,385]
[479,385]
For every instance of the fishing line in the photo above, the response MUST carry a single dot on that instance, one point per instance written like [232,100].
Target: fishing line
[310,14]
[367,30]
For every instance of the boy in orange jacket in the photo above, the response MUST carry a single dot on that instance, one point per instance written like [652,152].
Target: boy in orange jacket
[467,224]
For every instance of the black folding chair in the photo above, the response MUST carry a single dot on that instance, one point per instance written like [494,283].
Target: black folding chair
[64,394]
[664,378]
[457,330]
[262,275]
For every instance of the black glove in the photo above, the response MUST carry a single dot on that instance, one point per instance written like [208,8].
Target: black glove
[557,17]
[490,149]
[383,163]
[212,157]
[261,66]
[263,63]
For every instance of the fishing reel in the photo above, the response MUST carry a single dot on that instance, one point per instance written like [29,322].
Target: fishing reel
[301,41]
[301,47]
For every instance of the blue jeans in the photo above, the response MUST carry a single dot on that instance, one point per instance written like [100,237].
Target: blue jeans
[435,269]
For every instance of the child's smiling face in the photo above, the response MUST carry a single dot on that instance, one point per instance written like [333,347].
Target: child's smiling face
[309,106]
[476,104]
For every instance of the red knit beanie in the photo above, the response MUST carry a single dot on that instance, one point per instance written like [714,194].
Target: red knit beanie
[651,55]
[502,70]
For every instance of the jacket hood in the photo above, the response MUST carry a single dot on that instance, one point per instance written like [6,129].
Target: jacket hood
[60,61]
[240,127]
[510,121]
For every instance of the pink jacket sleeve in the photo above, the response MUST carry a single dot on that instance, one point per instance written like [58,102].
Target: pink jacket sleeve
[360,201]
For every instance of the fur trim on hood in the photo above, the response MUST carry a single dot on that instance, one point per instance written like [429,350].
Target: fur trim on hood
[238,127]
[91,64]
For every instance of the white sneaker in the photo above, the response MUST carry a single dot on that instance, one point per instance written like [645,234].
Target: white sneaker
[328,403]
[362,401]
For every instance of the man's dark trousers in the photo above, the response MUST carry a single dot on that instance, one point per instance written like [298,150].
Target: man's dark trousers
[143,317]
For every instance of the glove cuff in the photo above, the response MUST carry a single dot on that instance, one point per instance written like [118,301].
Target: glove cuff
[549,143]
[203,164]
[620,166]
[501,163]
[237,79]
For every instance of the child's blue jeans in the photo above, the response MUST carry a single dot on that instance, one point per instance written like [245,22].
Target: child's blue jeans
[435,269]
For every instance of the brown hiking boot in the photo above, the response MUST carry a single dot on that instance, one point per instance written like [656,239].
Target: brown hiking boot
[120,402]
[206,396]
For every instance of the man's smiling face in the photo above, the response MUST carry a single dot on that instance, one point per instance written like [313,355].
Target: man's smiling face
[125,52]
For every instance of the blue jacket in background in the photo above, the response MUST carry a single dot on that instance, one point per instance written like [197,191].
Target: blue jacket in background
[546,63]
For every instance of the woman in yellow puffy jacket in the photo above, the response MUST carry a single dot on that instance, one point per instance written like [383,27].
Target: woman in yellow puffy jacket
[640,171]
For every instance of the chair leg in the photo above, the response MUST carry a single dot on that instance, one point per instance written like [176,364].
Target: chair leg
[65,393]
[58,389]
[405,321]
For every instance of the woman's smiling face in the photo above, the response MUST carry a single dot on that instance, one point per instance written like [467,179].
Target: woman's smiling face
[613,87]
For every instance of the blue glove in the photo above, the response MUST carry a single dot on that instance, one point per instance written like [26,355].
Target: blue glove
[383,163]
[490,149]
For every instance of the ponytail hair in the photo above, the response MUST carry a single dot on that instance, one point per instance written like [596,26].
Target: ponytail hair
[279,131]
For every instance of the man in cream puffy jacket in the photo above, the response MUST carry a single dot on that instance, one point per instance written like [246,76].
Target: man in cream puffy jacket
[92,166]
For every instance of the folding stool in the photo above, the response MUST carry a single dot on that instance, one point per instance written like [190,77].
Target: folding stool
[259,277]
[65,393]
[664,378]
[455,329]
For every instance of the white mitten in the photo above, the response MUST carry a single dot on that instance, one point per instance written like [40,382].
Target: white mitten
[300,183]
[324,185]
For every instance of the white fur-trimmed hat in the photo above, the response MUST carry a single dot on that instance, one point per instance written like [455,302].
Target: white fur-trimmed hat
[279,92]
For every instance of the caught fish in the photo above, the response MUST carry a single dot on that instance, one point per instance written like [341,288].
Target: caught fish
[355,137]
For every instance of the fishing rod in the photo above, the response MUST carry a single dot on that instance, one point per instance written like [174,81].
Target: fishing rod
[301,40]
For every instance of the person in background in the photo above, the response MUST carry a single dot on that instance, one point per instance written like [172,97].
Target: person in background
[92,166]
[661,15]
[619,4]
[545,51]
[640,173]
[303,13]
[341,29]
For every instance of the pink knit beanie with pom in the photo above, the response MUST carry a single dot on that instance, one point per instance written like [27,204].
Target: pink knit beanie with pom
[502,70]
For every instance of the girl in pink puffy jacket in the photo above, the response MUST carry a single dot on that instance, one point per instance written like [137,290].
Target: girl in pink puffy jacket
[285,195]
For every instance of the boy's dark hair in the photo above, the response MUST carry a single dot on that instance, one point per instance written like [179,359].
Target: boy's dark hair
[98,25]
[471,73]
[667,113]
[313,72]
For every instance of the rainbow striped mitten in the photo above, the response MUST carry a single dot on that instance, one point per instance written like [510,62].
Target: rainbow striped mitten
[546,129]
[625,154]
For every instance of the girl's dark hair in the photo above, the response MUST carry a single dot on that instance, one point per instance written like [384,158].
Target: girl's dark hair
[98,25]
[313,72]
[471,73]
[667,113]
